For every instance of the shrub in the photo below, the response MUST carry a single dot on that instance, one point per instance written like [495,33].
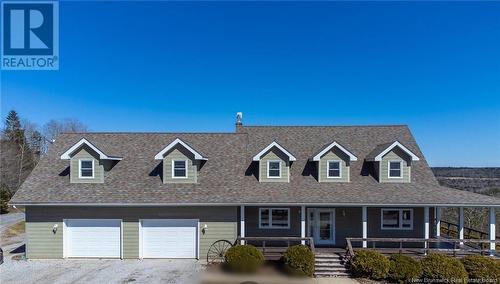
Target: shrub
[482,267]
[440,267]
[299,261]
[403,268]
[243,259]
[370,264]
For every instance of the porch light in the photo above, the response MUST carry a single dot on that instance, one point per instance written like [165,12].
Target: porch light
[54,228]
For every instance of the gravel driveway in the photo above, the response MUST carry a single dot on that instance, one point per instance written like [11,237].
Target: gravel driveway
[100,271]
[10,219]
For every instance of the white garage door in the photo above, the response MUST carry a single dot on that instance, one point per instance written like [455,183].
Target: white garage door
[169,238]
[93,238]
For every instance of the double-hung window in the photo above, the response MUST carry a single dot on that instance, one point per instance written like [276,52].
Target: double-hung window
[86,168]
[273,169]
[395,169]
[334,170]
[274,218]
[397,219]
[179,169]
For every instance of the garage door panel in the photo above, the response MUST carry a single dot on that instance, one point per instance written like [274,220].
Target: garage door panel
[169,238]
[93,238]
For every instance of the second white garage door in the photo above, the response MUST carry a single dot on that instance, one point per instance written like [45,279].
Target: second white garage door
[169,238]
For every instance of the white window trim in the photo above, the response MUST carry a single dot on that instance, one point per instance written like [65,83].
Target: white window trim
[328,169]
[173,169]
[400,228]
[80,168]
[272,161]
[400,169]
[270,218]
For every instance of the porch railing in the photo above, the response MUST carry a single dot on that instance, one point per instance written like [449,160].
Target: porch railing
[451,230]
[442,245]
[275,245]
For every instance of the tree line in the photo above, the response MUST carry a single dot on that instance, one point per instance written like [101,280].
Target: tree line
[22,144]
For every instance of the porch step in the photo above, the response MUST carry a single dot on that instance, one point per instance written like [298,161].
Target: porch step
[330,265]
[329,274]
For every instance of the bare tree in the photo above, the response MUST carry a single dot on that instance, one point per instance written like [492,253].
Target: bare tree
[53,128]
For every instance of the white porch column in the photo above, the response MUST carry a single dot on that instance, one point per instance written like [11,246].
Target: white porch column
[426,226]
[461,224]
[303,224]
[242,223]
[364,217]
[438,222]
[492,230]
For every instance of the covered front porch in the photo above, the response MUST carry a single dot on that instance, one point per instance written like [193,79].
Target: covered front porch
[414,229]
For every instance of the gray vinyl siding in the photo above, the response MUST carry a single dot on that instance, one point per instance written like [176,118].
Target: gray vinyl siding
[252,223]
[337,155]
[395,155]
[88,154]
[375,230]
[42,243]
[347,224]
[274,155]
[180,153]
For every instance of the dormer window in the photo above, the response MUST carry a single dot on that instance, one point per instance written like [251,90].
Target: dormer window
[274,169]
[333,162]
[181,162]
[87,163]
[179,168]
[395,169]
[392,162]
[86,168]
[334,169]
[274,162]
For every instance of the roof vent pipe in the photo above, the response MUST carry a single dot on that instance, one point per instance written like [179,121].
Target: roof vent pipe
[239,117]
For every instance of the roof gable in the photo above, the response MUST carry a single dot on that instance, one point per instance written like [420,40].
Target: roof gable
[269,147]
[177,141]
[318,156]
[381,150]
[67,155]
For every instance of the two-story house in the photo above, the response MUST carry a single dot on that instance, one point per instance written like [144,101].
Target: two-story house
[171,195]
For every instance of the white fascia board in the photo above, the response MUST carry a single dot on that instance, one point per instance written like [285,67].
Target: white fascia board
[197,156]
[352,157]
[397,144]
[67,155]
[274,144]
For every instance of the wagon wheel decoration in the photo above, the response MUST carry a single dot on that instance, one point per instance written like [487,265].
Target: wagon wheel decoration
[217,251]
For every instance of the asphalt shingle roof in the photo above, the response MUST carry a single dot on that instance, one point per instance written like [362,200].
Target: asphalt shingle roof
[229,175]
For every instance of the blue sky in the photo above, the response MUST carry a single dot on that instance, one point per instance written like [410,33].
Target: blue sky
[173,66]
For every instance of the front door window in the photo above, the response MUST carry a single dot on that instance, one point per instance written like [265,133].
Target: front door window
[322,225]
[325,226]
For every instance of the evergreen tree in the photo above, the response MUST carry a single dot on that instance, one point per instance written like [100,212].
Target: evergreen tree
[13,130]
